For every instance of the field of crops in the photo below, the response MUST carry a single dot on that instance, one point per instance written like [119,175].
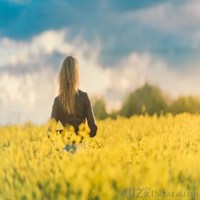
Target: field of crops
[138,158]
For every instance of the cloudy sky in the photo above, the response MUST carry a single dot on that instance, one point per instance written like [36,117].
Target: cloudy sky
[120,45]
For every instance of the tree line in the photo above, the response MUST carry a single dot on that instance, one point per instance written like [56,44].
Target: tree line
[148,99]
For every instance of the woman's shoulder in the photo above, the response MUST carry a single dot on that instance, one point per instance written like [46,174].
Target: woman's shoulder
[82,93]
[57,99]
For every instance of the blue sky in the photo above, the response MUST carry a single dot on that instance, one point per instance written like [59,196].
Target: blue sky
[105,20]
[125,42]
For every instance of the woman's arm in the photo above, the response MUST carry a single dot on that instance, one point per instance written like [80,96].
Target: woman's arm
[54,112]
[54,115]
[90,117]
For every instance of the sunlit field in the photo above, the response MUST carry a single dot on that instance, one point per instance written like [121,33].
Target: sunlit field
[138,158]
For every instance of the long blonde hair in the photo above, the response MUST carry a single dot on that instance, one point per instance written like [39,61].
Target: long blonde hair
[68,83]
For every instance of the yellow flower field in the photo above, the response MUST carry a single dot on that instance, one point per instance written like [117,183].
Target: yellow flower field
[138,158]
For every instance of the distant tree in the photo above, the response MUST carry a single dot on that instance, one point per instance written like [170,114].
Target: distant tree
[114,114]
[148,99]
[185,104]
[99,107]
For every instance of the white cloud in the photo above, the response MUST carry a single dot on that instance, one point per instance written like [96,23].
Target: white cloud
[26,96]
[181,18]
[132,72]
[136,69]
[15,53]
[28,80]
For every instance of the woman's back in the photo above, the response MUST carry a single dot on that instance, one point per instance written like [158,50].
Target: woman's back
[83,112]
[72,106]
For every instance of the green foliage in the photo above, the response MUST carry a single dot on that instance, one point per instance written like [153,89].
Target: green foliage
[148,99]
[99,108]
[185,104]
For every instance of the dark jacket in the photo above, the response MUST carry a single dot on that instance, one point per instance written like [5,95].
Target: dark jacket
[83,112]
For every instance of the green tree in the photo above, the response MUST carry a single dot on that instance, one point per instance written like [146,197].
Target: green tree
[147,99]
[99,107]
[186,104]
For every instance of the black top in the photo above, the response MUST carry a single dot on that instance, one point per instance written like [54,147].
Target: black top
[83,111]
